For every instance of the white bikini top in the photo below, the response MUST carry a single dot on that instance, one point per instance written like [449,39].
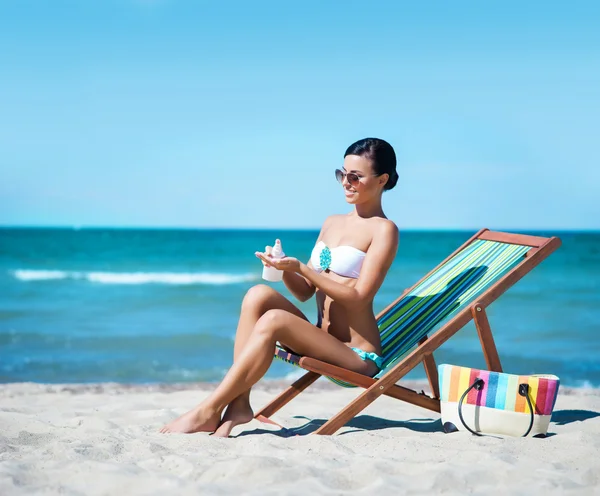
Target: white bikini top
[345,261]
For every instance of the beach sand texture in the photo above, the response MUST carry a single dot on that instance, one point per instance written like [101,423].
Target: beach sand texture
[103,439]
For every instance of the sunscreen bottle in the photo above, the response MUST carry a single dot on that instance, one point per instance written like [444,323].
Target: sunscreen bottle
[272,274]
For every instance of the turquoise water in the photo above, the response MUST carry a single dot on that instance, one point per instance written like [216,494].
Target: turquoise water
[137,306]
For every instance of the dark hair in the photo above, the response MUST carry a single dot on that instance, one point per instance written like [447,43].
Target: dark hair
[382,155]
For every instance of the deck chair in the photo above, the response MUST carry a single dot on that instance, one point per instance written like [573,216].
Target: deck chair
[424,317]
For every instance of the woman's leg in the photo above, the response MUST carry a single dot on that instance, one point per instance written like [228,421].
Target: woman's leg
[255,358]
[258,300]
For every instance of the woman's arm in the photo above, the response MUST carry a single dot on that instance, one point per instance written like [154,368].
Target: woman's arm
[378,260]
[298,285]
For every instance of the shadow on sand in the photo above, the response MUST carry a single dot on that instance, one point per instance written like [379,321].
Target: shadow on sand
[357,424]
[564,417]
[370,423]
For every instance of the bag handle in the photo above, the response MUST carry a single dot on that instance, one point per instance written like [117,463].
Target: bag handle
[478,385]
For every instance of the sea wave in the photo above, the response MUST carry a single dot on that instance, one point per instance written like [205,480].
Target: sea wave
[174,278]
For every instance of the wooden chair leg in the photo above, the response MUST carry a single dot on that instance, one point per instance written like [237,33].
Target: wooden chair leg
[431,371]
[485,337]
[347,413]
[363,381]
[288,395]
[367,397]
[394,375]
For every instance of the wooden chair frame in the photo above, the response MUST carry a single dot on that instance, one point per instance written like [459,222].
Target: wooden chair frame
[540,248]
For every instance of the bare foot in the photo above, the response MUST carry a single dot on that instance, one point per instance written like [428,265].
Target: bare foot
[238,412]
[196,420]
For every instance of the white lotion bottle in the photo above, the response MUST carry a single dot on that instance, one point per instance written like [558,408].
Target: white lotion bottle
[272,274]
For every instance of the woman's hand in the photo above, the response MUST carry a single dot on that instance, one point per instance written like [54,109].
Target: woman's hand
[288,264]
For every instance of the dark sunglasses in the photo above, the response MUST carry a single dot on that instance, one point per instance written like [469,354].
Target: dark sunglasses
[353,178]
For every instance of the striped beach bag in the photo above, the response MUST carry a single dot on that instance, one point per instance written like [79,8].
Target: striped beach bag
[484,402]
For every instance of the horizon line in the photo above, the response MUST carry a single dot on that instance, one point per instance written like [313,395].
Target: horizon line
[255,228]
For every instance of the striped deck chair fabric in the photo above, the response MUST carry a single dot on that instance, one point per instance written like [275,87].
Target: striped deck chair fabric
[441,295]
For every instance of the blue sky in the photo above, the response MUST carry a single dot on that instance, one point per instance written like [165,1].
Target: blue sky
[235,114]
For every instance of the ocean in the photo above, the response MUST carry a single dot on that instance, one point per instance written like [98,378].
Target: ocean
[161,306]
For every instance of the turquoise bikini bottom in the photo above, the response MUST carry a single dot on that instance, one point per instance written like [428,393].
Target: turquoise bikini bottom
[369,356]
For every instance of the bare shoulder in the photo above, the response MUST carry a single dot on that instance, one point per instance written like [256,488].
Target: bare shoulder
[328,224]
[333,220]
[385,228]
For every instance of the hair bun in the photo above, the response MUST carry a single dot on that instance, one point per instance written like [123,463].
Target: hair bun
[393,179]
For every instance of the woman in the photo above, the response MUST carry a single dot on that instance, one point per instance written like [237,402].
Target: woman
[348,264]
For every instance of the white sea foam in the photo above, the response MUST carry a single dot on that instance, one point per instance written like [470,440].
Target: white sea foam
[131,278]
[212,278]
[40,275]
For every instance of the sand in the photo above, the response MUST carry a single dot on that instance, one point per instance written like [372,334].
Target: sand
[103,439]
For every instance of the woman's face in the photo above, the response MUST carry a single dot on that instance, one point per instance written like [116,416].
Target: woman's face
[367,186]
